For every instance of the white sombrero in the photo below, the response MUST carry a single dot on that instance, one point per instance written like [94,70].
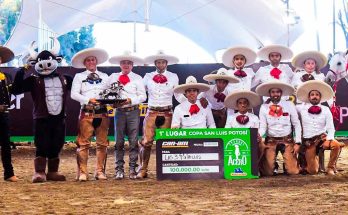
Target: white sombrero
[161,56]
[284,51]
[6,54]
[249,54]
[191,83]
[127,55]
[253,98]
[319,58]
[79,58]
[304,89]
[221,74]
[263,89]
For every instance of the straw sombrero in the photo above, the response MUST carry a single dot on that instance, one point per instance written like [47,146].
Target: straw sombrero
[127,55]
[263,89]
[319,58]
[305,88]
[79,58]
[249,54]
[161,56]
[222,73]
[253,98]
[191,83]
[6,54]
[284,51]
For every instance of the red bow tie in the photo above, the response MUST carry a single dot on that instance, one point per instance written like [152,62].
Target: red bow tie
[314,110]
[220,97]
[123,79]
[275,110]
[242,119]
[194,109]
[307,77]
[275,72]
[160,79]
[240,73]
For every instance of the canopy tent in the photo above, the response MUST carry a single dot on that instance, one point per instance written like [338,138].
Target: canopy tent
[212,24]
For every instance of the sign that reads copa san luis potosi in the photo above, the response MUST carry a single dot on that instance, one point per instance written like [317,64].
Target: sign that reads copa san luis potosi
[206,153]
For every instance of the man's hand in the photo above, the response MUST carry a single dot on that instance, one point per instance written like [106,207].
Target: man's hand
[204,102]
[93,101]
[259,138]
[297,148]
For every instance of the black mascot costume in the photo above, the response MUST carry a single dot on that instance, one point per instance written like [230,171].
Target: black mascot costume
[48,90]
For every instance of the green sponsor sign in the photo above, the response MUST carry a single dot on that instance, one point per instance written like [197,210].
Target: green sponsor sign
[188,153]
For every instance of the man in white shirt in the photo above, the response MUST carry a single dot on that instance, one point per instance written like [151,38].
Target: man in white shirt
[242,101]
[127,116]
[86,88]
[190,113]
[160,86]
[317,124]
[237,58]
[277,117]
[217,93]
[275,71]
[309,63]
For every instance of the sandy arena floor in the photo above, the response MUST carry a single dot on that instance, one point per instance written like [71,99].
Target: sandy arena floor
[275,195]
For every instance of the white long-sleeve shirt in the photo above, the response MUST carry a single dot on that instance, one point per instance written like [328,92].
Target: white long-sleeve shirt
[83,91]
[233,123]
[245,82]
[280,126]
[183,119]
[316,124]
[209,95]
[135,89]
[296,80]
[161,95]
[263,75]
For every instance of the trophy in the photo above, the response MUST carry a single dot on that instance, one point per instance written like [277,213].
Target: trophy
[112,95]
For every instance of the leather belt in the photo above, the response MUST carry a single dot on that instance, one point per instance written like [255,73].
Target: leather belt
[94,109]
[279,138]
[162,109]
[126,109]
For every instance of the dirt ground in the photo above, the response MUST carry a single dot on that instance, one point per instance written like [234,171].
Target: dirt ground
[274,195]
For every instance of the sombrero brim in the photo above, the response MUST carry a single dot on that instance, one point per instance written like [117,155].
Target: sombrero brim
[253,98]
[183,87]
[214,77]
[170,59]
[79,58]
[319,58]
[304,89]
[6,54]
[117,59]
[285,52]
[249,54]
[263,89]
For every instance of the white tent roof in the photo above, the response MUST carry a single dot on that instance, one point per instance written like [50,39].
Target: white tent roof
[212,24]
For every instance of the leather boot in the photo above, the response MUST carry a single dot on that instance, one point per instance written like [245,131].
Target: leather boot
[146,152]
[40,168]
[52,172]
[334,154]
[82,158]
[101,161]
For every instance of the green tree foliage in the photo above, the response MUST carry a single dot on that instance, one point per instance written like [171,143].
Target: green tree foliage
[9,14]
[76,41]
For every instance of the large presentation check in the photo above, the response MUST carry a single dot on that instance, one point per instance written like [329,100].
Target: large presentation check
[206,153]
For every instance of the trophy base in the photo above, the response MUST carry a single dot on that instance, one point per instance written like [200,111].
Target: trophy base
[111,101]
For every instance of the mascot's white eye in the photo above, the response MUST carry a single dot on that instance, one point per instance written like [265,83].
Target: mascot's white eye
[39,59]
[50,58]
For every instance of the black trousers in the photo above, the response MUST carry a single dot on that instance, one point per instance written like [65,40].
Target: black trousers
[49,136]
[5,145]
